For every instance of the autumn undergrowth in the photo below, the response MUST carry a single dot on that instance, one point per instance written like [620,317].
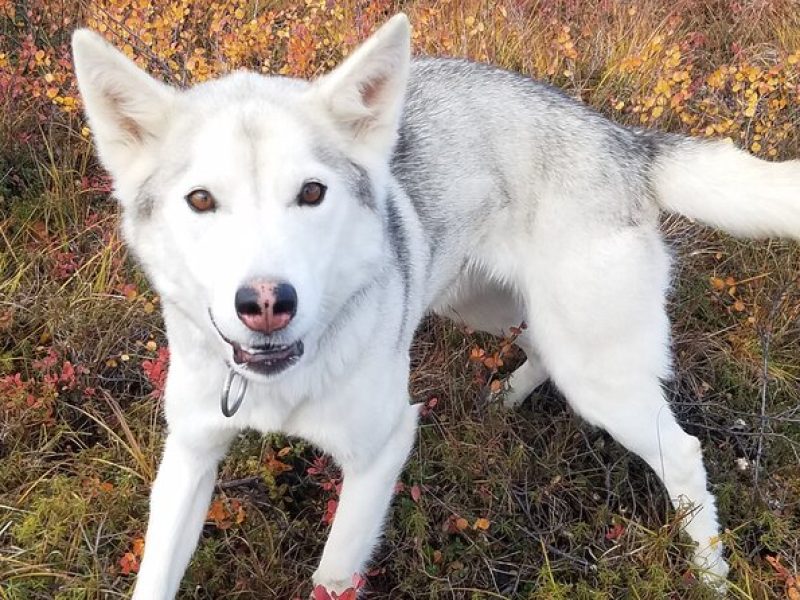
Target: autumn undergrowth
[493,504]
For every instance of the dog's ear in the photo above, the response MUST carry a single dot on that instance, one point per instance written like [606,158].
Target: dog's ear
[127,109]
[364,95]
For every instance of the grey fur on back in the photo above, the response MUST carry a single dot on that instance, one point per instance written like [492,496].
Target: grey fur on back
[479,143]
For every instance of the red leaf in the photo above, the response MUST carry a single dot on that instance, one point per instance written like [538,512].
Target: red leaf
[330,512]
[428,407]
[415,493]
[358,581]
[128,564]
[156,371]
[615,532]
[320,593]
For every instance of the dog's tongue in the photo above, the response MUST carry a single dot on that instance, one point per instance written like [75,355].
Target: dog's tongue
[241,356]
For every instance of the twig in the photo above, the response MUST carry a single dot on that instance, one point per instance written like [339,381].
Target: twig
[766,338]
[234,483]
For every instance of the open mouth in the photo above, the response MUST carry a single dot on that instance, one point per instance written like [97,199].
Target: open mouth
[268,359]
[265,359]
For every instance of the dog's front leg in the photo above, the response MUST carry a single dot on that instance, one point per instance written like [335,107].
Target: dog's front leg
[178,504]
[366,492]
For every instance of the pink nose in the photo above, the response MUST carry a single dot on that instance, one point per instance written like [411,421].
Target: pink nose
[266,306]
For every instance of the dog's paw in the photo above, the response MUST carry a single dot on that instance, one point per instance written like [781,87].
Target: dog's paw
[712,568]
[330,588]
[512,398]
[508,397]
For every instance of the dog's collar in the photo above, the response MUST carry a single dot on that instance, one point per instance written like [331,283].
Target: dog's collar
[230,409]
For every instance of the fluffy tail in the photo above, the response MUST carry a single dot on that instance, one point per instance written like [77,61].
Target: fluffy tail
[717,184]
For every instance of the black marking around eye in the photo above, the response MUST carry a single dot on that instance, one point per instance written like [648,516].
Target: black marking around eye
[355,175]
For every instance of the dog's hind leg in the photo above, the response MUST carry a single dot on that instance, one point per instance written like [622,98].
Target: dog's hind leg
[525,378]
[494,308]
[603,335]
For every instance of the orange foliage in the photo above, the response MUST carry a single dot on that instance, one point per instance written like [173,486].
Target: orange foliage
[657,74]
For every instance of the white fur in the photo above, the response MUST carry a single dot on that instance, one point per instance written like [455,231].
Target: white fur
[365,95]
[569,249]
[722,186]
[119,99]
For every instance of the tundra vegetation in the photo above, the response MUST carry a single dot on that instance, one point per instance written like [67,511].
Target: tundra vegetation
[493,504]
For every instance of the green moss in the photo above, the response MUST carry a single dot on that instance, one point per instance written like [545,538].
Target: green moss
[51,527]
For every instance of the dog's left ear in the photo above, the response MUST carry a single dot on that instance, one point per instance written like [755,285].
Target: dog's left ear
[364,95]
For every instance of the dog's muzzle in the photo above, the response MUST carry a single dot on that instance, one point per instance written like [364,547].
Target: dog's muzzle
[265,360]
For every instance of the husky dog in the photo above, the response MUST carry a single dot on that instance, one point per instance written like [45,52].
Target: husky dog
[297,232]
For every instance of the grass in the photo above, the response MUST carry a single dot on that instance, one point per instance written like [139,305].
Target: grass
[528,504]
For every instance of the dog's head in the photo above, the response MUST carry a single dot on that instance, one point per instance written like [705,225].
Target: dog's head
[254,203]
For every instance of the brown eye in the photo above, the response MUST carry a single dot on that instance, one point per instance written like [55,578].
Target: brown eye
[201,201]
[312,193]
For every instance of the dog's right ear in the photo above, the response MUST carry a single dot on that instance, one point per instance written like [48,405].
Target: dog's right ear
[364,95]
[127,109]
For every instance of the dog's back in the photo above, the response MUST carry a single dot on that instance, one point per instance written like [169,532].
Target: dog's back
[481,149]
